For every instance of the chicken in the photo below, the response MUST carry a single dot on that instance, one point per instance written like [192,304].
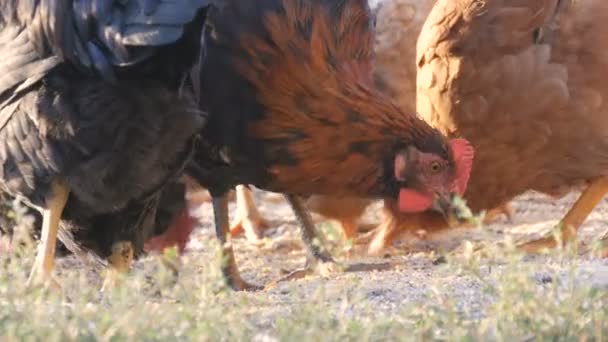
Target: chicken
[292,109]
[95,117]
[398,23]
[524,81]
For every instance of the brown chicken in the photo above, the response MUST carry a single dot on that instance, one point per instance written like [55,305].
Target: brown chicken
[398,23]
[524,81]
[292,109]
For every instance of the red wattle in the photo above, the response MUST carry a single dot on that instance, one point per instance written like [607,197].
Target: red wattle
[411,201]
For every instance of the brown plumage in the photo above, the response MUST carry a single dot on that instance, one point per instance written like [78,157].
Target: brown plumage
[524,81]
[398,23]
[292,109]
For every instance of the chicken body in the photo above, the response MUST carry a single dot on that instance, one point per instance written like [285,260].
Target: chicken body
[93,120]
[525,82]
[398,23]
[292,109]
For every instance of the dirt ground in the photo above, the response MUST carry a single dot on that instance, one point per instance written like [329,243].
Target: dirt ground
[414,275]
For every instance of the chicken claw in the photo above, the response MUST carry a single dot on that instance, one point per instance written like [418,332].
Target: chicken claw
[308,231]
[318,261]
[42,271]
[248,218]
[323,269]
[575,217]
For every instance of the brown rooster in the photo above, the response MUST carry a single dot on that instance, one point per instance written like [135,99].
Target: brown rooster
[524,81]
[292,109]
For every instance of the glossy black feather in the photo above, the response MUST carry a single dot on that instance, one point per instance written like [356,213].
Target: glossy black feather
[92,92]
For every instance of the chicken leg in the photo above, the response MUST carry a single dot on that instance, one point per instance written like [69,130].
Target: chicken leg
[222,231]
[120,262]
[317,260]
[350,228]
[575,217]
[384,234]
[248,218]
[42,271]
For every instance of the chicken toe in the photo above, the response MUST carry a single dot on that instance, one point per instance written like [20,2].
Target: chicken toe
[323,269]
[318,260]
[310,236]
[575,217]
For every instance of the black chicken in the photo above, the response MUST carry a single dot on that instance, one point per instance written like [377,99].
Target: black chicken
[94,117]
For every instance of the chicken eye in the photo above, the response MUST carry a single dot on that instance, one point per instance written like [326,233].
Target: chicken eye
[537,35]
[435,167]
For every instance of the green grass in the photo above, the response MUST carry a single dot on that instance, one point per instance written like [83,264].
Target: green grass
[153,304]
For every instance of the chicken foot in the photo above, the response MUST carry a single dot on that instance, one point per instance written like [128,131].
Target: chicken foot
[385,233]
[42,271]
[575,217]
[493,214]
[120,262]
[229,267]
[248,218]
[317,260]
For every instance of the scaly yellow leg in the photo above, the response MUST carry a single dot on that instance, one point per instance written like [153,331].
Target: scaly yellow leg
[51,215]
[570,224]
[222,231]
[248,218]
[120,262]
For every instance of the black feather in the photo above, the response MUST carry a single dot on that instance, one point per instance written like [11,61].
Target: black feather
[91,92]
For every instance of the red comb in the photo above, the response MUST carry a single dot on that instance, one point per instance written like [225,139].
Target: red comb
[463,157]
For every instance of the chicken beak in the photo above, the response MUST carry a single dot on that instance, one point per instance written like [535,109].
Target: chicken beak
[444,204]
